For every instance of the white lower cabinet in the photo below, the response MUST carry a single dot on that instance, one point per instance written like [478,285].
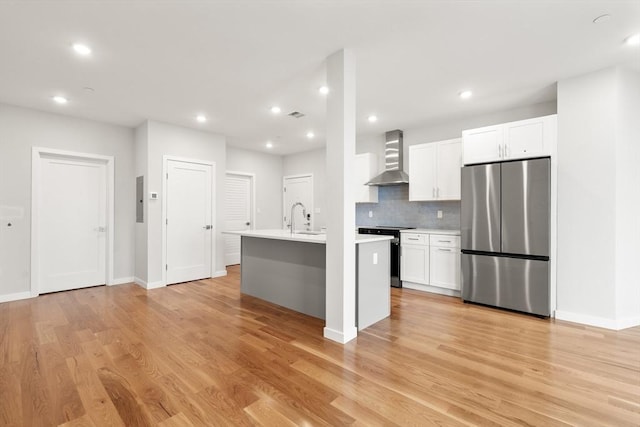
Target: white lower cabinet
[415,263]
[430,262]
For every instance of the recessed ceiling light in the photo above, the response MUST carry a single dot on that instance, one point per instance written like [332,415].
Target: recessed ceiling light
[310,135]
[324,90]
[372,118]
[633,40]
[269,144]
[82,49]
[465,94]
[602,18]
[275,109]
[201,118]
[60,99]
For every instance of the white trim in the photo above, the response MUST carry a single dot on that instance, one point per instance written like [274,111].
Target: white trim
[214,231]
[36,155]
[219,273]
[17,296]
[600,322]
[553,231]
[254,218]
[431,289]
[309,210]
[123,280]
[341,337]
[152,285]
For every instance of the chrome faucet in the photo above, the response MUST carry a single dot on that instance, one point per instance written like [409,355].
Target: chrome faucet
[293,221]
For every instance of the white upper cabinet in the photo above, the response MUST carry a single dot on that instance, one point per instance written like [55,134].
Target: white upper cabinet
[434,171]
[514,140]
[366,167]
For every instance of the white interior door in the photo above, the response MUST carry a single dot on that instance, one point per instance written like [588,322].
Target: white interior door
[298,189]
[189,221]
[238,213]
[72,222]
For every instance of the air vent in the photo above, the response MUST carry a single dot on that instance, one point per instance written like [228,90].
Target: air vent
[296,114]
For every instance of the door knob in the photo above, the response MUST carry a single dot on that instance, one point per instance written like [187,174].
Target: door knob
[208,227]
[247,223]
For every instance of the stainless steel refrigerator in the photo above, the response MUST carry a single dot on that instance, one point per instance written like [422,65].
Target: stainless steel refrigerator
[505,233]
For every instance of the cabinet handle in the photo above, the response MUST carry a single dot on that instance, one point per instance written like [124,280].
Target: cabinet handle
[444,250]
[500,150]
[412,238]
[437,192]
[506,151]
[444,241]
[433,192]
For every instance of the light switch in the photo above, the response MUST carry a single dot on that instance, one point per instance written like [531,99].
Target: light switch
[375,258]
[370,214]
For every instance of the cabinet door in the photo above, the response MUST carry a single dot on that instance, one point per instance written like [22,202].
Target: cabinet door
[414,264]
[445,267]
[365,168]
[422,172]
[449,161]
[482,145]
[529,138]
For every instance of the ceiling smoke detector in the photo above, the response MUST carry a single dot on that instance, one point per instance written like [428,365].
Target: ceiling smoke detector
[295,114]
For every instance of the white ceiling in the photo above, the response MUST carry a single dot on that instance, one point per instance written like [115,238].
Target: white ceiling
[233,60]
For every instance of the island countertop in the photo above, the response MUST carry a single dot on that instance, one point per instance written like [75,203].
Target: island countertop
[278,234]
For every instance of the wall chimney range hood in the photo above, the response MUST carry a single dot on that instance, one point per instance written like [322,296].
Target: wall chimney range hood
[393,173]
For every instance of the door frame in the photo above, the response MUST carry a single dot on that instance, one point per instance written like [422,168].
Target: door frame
[36,174]
[214,231]
[252,196]
[310,209]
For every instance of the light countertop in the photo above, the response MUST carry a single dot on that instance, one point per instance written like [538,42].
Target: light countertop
[298,237]
[432,231]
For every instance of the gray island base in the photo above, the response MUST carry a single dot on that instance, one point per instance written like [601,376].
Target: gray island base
[290,272]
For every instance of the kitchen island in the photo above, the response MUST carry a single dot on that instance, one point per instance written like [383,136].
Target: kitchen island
[289,270]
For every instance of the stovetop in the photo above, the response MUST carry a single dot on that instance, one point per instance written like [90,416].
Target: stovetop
[385,227]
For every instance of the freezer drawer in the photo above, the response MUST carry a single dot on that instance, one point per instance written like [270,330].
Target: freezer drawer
[513,283]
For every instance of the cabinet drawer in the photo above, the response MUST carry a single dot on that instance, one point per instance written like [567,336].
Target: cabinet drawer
[414,239]
[444,241]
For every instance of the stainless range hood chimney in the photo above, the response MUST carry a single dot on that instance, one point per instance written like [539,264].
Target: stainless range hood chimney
[393,174]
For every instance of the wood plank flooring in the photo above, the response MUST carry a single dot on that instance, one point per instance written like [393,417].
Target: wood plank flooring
[201,354]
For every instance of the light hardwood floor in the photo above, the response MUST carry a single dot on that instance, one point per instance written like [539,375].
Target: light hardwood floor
[201,354]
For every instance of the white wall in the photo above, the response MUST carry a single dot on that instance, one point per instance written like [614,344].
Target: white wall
[21,129]
[164,139]
[628,195]
[597,206]
[141,169]
[267,169]
[311,162]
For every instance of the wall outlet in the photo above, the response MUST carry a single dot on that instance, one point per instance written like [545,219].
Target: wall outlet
[440,215]
[370,214]
[375,258]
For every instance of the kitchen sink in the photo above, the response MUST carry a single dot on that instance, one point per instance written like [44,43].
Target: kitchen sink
[311,233]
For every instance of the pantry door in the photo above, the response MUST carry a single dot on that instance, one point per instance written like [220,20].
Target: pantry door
[238,212]
[297,189]
[189,220]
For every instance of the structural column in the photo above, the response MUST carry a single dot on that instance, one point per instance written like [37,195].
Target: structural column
[341,222]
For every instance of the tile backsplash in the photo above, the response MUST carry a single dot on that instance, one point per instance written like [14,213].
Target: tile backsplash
[395,209]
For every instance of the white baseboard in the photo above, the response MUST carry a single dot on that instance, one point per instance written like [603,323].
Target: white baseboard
[341,337]
[600,322]
[432,289]
[219,273]
[17,296]
[123,280]
[153,285]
